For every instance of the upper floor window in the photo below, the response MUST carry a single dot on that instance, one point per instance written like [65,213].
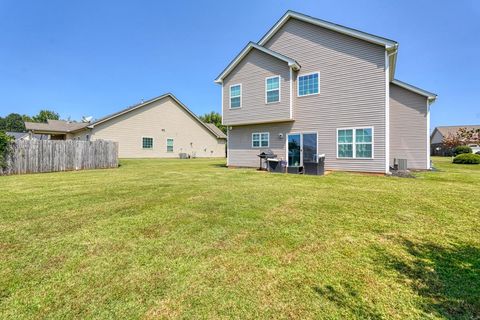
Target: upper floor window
[169,145]
[147,143]
[272,89]
[355,143]
[235,96]
[260,139]
[308,84]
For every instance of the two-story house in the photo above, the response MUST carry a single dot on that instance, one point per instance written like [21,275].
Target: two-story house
[311,87]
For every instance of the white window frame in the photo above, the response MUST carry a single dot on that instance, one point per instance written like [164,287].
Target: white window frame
[230,95]
[298,84]
[354,143]
[153,143]
[279,89]
[166,144]
[260,140]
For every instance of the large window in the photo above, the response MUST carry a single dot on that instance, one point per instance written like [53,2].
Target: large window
[355,143]
[308,84]
[235,96]
[169,145]
[260,139]
[272,89]
[147,143]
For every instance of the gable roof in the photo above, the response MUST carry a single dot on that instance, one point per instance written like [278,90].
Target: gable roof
[217,130]
[387,43]
[429,95]
[59,126]
[390,45]
[291,62]
[146,103]
[445,130]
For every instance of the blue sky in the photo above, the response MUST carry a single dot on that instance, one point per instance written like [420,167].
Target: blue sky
[96,57]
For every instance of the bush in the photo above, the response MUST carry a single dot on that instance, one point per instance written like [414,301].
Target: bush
[467,158]
[462,149]
[5,147]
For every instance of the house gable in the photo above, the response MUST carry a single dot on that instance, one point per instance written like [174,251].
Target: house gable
[159,120]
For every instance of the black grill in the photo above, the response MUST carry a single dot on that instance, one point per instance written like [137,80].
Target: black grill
[264,156]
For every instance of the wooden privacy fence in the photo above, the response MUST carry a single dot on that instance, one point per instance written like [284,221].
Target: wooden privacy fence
[32,156]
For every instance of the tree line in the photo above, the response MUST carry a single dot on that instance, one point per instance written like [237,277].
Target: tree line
[15,122]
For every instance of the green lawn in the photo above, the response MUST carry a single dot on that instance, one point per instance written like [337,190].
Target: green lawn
[193,239]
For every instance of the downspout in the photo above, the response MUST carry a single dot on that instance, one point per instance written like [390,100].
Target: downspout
[388,79]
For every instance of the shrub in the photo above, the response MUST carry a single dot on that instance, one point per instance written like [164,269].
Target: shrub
[5,147]
[462,149]
[467,158]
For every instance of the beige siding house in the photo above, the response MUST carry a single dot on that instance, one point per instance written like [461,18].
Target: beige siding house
[162,127]
[310,87]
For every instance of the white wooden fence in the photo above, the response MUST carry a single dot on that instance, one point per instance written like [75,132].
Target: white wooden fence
[60,155]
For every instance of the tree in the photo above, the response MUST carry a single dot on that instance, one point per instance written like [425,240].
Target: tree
[45,115]
[3,124]
[27,118]
[215,118]
[14,122]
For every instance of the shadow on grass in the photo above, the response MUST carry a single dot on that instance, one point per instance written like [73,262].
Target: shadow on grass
[347,297]
[447,278]
[218,165]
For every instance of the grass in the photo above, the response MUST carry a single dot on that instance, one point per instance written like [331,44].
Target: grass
[193,239]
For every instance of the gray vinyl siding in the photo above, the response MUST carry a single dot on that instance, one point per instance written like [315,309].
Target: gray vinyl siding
[437,137]
[408,127]
[242,154]
[251,73]
[352,89]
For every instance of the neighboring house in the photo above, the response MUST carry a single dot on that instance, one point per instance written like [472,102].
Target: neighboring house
[437,148]
[26,136]
[160,127]
[311,87]
[57,129]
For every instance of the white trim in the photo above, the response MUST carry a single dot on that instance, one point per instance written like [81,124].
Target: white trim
[387,112]
[291,63]
[279,89]
[298,84]
[260,140]
[166,145]
[223,88]
[354,142]
[328,25]
[258,122]
[291,93]
[228,146]
[430,96]
[153,142]
[428,136]
[230,96]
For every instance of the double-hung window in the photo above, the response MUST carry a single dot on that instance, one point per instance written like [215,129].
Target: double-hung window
[355,143]
[308,84]
[147,143]
[169,145]
[235,96]
[260,139]
[272,89]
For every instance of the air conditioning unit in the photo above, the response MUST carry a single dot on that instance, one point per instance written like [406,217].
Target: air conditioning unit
[402,164]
